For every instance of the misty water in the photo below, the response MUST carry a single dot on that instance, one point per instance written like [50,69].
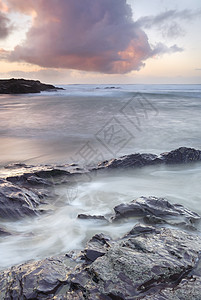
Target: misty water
[87,124]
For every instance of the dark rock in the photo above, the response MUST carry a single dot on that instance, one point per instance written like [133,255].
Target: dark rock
[23,86]
[22,194]
[15,166]
[156,210]
[43,175]
[132,160]
[140,229]
[4,232]
[99,243]
[35,180]
[111,87]
[36,176]
[182,155]
[34,280]
[92,255]
[17,202]
[89,217]
[145,264]
[51,173]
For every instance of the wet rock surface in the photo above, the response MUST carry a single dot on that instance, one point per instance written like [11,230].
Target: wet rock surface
[91,217]
[132,160]
[148,262]
[180,155]
[4,232]
[33,280]
[151,210]
[156,211]
[16,202]
[23,86]
[23,191]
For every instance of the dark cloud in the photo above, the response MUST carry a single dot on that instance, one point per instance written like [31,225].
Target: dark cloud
[5,26]
[89,35]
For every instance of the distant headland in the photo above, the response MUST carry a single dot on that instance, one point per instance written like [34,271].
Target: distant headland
[24,86]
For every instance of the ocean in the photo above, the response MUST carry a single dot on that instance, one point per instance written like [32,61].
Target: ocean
[87,124]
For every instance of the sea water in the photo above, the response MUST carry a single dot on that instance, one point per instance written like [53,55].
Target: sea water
[87,124]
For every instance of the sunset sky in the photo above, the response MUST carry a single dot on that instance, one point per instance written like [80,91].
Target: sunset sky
[101,41]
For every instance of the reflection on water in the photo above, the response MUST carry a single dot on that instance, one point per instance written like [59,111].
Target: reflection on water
[59,231]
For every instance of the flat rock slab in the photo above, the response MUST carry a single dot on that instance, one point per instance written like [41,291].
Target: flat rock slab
[147,263]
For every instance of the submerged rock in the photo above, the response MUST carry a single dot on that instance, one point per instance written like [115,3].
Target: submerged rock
[147,263]
[23,86]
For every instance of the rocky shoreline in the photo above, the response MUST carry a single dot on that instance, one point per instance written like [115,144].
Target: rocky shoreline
[24,86]
[158,259]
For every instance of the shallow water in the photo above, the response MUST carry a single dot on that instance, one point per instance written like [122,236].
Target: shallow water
[87,124]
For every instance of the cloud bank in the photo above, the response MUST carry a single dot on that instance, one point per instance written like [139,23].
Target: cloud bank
[89,35]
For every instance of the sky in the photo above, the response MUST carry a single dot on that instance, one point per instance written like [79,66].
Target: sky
[101,41]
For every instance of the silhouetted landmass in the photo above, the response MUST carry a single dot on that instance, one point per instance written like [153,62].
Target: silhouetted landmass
[24,86]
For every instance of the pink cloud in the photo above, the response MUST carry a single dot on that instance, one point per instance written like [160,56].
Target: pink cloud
[89,35]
